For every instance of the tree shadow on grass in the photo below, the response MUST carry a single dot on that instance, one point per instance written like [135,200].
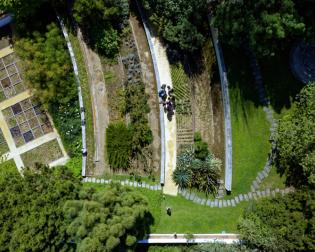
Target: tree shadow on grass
[280,84]
[241,82]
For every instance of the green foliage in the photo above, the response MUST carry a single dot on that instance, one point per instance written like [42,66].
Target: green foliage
[296,141]
[31,209]
[108,43]
[201,174]
[102,22]
[138,108]
[280,224]
[100,221]
[180,22]
[266,25]
[47,71]
[119,145]
[200,147]
[46,66]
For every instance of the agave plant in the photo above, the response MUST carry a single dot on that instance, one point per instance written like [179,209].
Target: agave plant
[182,178]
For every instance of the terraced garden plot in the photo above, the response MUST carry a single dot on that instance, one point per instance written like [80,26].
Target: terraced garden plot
[45,154]
[3,144]
[26,121]
[10,79]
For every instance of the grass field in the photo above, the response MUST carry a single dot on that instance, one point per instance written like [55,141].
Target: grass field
[45,154]
[250,128]
[187,217]
[86,100]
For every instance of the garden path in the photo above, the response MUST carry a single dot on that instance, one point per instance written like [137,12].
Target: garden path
[99,105]
[170,125]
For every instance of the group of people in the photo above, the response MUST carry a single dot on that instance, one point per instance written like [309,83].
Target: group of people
[167,99]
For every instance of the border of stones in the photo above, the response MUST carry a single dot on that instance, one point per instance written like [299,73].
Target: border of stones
[126,182]
[158,83]
[77,78]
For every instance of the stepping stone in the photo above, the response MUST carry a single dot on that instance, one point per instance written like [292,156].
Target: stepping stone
[220,203]
[121,182]
[228,202]
[255,184]
[233,202]
[159,187]
[203,201]
[273,193]
[187,196]
[224,204]
[287,190]
[147,186]
[252,188]
[216,203]
[246,197]
[263,194]
[258,194]
[199,201]
[237,200]
[208,203]
[143,185]
[277,190]
[241,197]
[282,192]
[152,187]
[93,180]
[212,204]
[260,175]
[258,179]
[88,179]
[268,192]
[102,181]
[106,181]
[192,196]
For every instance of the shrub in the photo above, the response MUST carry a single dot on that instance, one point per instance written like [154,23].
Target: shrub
[119,145]
[108,42]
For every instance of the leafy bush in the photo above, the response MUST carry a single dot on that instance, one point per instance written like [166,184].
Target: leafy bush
[192,172]
[108,42]
[119,145]
[200,147]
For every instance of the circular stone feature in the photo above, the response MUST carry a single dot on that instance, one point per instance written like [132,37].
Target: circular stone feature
[303,61]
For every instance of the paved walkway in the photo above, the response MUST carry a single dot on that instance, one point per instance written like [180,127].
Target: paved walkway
[170,125]
[195,238]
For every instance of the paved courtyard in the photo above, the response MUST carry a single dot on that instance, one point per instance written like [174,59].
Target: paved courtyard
[24,126]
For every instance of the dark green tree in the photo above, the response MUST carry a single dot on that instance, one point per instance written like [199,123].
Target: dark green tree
[265,25]
[31,209]
[296,141]
[108,220]
[200,147]
[180,22]
[46,65]
[284,223]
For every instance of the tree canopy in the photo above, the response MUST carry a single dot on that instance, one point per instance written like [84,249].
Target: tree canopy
[284,223]
[48,209]
[180,22]
[265,25]
[46,65]
[296,141]
[31,209]
[105,221]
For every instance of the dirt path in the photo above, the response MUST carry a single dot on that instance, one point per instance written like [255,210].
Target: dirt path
[99,105]
[150,87]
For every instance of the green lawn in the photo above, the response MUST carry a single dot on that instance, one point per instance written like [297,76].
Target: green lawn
[250,128]
[86,100]
[187,217]
[273,180]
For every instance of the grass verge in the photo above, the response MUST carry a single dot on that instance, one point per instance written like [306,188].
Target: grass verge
[250,128]
[86,100]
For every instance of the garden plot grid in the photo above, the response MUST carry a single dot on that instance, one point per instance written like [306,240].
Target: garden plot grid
[10,80]
[26,121]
